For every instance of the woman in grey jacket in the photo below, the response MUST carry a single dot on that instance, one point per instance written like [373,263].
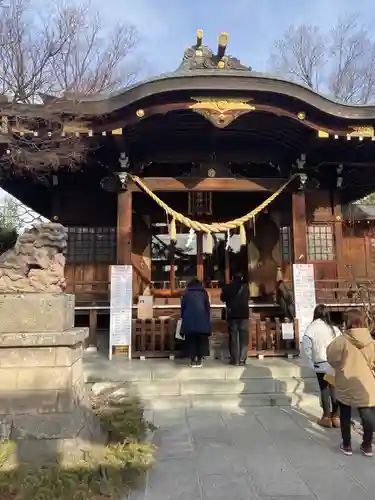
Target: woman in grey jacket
[319,334]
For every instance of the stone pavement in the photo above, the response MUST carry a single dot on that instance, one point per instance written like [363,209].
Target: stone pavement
[259,453]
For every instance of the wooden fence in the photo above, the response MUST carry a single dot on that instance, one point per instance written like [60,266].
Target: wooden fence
[156,338]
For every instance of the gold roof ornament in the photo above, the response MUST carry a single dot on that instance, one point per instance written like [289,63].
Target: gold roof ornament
[223,41]
[199,37]
[322,134]
[221,112]
[361,132]
[198,45]
[75,128]
[200,56]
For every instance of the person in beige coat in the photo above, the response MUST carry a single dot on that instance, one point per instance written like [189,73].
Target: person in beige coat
[352,355]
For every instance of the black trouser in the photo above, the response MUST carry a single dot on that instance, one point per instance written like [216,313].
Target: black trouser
[330,404]
[196,344]
[238,339]
[368,423]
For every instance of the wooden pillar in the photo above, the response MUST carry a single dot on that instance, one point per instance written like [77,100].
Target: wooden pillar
[92,340]
[299,225]
[338,234]
[124,228]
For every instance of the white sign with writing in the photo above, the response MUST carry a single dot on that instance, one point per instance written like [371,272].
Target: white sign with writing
[120,323]
[145,309]
[304,295]
[287,331]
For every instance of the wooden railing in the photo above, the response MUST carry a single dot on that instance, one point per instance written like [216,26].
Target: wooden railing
[156,338]
[268,338]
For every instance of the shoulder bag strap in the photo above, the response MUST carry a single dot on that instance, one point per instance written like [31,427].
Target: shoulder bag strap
[365,360]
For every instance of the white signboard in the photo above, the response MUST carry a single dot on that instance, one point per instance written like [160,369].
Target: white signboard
[120,322]
[304,295]
[145,309]
[287,331]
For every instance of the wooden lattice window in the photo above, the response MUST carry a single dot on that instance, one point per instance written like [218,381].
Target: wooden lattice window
[91,244]
[285,244]
[320,242]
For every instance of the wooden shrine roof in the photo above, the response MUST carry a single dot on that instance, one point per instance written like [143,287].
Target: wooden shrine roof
[208,81]
[212,107]
[201,71]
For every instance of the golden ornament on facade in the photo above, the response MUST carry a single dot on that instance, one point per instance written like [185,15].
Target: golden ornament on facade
[361,132]
[221,112]
[221,64]
[322,134]
[301,115]
[140,113]
[211,172]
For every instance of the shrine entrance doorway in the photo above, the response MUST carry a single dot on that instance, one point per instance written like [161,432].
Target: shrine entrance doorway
[214,260]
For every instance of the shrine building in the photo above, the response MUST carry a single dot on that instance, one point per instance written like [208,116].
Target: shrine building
[211,169]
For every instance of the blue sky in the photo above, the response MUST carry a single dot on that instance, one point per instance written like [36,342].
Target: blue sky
[169,26]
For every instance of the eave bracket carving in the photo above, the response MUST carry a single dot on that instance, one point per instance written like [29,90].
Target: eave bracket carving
[221,112]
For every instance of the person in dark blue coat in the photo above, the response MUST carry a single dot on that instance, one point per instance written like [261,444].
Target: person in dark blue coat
[196,321]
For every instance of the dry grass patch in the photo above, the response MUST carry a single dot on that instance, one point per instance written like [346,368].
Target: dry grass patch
[124,460]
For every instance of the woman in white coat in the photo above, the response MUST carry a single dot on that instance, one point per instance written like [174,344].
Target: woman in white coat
[319,334]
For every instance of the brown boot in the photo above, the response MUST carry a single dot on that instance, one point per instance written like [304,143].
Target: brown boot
[335,422]
[325,422]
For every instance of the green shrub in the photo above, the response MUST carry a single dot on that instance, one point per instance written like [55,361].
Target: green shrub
[8,238]
[124,460]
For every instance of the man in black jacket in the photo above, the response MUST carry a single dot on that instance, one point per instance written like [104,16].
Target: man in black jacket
[236,297]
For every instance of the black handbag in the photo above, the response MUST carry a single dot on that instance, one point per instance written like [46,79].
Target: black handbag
[224,314]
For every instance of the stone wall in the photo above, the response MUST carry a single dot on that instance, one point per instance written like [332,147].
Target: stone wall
[43,403]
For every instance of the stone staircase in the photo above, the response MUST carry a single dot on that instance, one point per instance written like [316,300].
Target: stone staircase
[163,384]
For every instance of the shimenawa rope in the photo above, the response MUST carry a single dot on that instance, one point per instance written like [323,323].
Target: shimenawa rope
[216,227]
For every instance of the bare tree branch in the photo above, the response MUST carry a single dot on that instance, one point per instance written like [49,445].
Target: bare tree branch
[300,55]
[68,50]
[351,55]
[93,60]
[341,63]
[30,47]
[64,50]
